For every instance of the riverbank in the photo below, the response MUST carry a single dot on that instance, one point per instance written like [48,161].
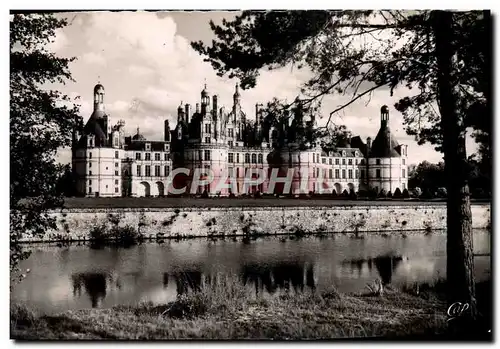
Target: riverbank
[217,220]
[226,310]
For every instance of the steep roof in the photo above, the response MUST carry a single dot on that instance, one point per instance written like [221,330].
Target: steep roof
[384,145]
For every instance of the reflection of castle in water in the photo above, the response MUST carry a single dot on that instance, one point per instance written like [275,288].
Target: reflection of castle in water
[386,265]
[271,277]
[279,276]
[94,285]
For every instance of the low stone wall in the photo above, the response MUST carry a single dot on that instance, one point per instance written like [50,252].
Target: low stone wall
[75,224]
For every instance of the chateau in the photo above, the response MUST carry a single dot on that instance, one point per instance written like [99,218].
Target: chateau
[231,143]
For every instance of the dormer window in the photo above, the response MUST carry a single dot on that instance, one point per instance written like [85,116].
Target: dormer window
[356,154]
[165,147]
[343,153]
[148,146]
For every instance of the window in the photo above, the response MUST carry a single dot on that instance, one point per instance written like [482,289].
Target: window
[343,153]
[404,173]
[323,161]
[330,173]
[167,156]
[207,155]
[116,189]
[356,154]
[90,164]
[378,161]
[350,161]
[148,146]
[90,182]
[317,172]
[356,161]
[247,158]
[106,186]
[148,171]
[362,161]
[116,154]
[230,157]
[157,157]
[237,173]
[148,156]
[166,170]
[362,173]
[349,173]
[230,143]
[200,154]
[106,167]
[165,147]
[343,173]
[230,132]
[357,173]
[116,181]
[90,173]
[314,158]
[337,162]
[138,156]
[317,158]
[157,170]
[330,161]
[90,190]
[90,155]
[116,173]
[208,128]
[207,139]
[230,172]
[337,173]
[139,170]
[116,164]
[254,158]
[378,173]
[343,161]
[403,185]
[261,159]
[238,158]
[404,162]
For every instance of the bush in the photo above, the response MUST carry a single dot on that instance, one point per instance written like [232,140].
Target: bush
[99,233]
[406,194]
[352,195]
[389,194]
[397,194]
[205,194]
[257,194]
[442,193]
[417,192]
[363,193]
[382,194]
[345,193]
[427,194]
[334,193]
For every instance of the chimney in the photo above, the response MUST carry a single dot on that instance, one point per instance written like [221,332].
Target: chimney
[187,108]
[368,144]
[198,108]
[214,105]
[166,131]
[257,113]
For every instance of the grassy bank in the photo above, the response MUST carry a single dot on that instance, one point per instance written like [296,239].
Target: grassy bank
[228,311]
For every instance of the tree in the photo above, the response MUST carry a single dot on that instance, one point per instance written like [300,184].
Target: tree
[435,53]
[41,121]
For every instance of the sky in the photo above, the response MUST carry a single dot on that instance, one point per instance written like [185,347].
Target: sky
[146,64]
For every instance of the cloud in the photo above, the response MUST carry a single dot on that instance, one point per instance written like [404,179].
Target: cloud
[93,58]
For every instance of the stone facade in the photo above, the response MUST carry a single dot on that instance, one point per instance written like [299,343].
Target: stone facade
[230,144]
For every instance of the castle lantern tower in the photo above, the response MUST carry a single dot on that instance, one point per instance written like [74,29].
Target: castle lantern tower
[180,113]
[237,96]
[99,98]
[205,100]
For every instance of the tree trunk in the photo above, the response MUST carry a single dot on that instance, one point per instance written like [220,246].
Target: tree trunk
[460,262]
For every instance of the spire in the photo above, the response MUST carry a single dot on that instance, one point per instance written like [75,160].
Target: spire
[236,95]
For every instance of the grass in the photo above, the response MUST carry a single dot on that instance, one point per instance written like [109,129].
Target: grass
[226,310]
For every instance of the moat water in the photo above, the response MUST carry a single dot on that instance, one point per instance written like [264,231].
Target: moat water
[78,277]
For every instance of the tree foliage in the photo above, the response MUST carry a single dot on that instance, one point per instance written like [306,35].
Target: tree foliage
[41,121]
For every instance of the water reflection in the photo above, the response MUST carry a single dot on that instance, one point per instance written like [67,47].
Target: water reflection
[385,265]
[94,285]
[78,277]
[278,276]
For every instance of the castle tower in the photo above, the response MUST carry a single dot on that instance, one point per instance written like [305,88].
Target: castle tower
[99,98]
[205,100]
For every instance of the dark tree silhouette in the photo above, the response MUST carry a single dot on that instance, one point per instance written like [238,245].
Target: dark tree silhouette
[41,122]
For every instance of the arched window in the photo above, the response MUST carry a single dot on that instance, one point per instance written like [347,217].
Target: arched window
[254,158]
[260,159]
[247,158]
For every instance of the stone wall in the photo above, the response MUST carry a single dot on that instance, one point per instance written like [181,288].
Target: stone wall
[75,224]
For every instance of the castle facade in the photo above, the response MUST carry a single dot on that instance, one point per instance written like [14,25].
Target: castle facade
[211,146]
